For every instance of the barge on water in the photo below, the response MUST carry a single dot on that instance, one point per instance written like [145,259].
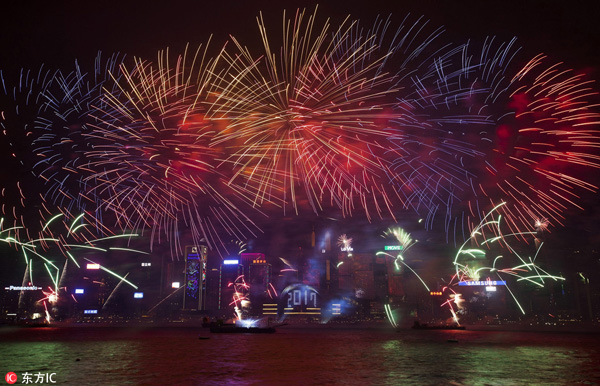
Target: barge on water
[425,326]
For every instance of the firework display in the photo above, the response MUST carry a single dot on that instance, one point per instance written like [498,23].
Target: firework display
[341,117]
[72,238]
[405,241]
[335,120]
[490,256]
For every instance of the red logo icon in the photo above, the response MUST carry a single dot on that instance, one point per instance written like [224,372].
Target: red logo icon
[11,378]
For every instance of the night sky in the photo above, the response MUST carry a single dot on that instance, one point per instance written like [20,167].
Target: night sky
[57,33]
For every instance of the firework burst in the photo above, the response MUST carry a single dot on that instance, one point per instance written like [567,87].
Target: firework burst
[488,137]
[336,117]
[310,125]
[152,165]
[496,255]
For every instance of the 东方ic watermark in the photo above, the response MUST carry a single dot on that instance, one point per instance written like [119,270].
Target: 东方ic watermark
[27,378]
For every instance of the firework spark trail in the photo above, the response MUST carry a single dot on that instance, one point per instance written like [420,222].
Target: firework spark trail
[405,242]
[152,165]
[165,298]
[473,263]
[240,298]
[403,238]
[44,132]
[19,104]
[312,118]
[488,136]
[345,242]
[69,117]
[123,280]
[343,117]
[556,131]
[62,235]
[27,280]
[61,127]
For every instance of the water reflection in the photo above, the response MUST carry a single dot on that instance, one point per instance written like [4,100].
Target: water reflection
[302,357]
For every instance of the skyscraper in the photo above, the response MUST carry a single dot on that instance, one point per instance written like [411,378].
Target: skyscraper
[229,271]
[195,277]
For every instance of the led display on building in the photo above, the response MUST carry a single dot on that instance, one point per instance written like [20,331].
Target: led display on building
[299,299]
[195,277]
[393,247]
[481,282]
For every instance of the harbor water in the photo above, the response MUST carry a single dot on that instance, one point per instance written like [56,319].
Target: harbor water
[298,356]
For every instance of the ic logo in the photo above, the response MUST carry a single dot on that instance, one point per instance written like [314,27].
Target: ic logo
[11,378]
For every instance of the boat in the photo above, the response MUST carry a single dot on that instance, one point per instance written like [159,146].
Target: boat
[38,322]
[240,327]
[425,326]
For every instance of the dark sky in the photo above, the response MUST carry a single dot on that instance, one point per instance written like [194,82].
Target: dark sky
[57,33]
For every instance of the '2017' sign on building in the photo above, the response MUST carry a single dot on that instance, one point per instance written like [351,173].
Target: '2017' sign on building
[299,299]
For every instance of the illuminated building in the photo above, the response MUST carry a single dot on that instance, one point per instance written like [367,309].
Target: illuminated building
[394,275]
[248,258]
[260,279]
[483,298]
[344,273]
[364,279]
[195,277]
[229,271]
[257,274]
[213,277]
